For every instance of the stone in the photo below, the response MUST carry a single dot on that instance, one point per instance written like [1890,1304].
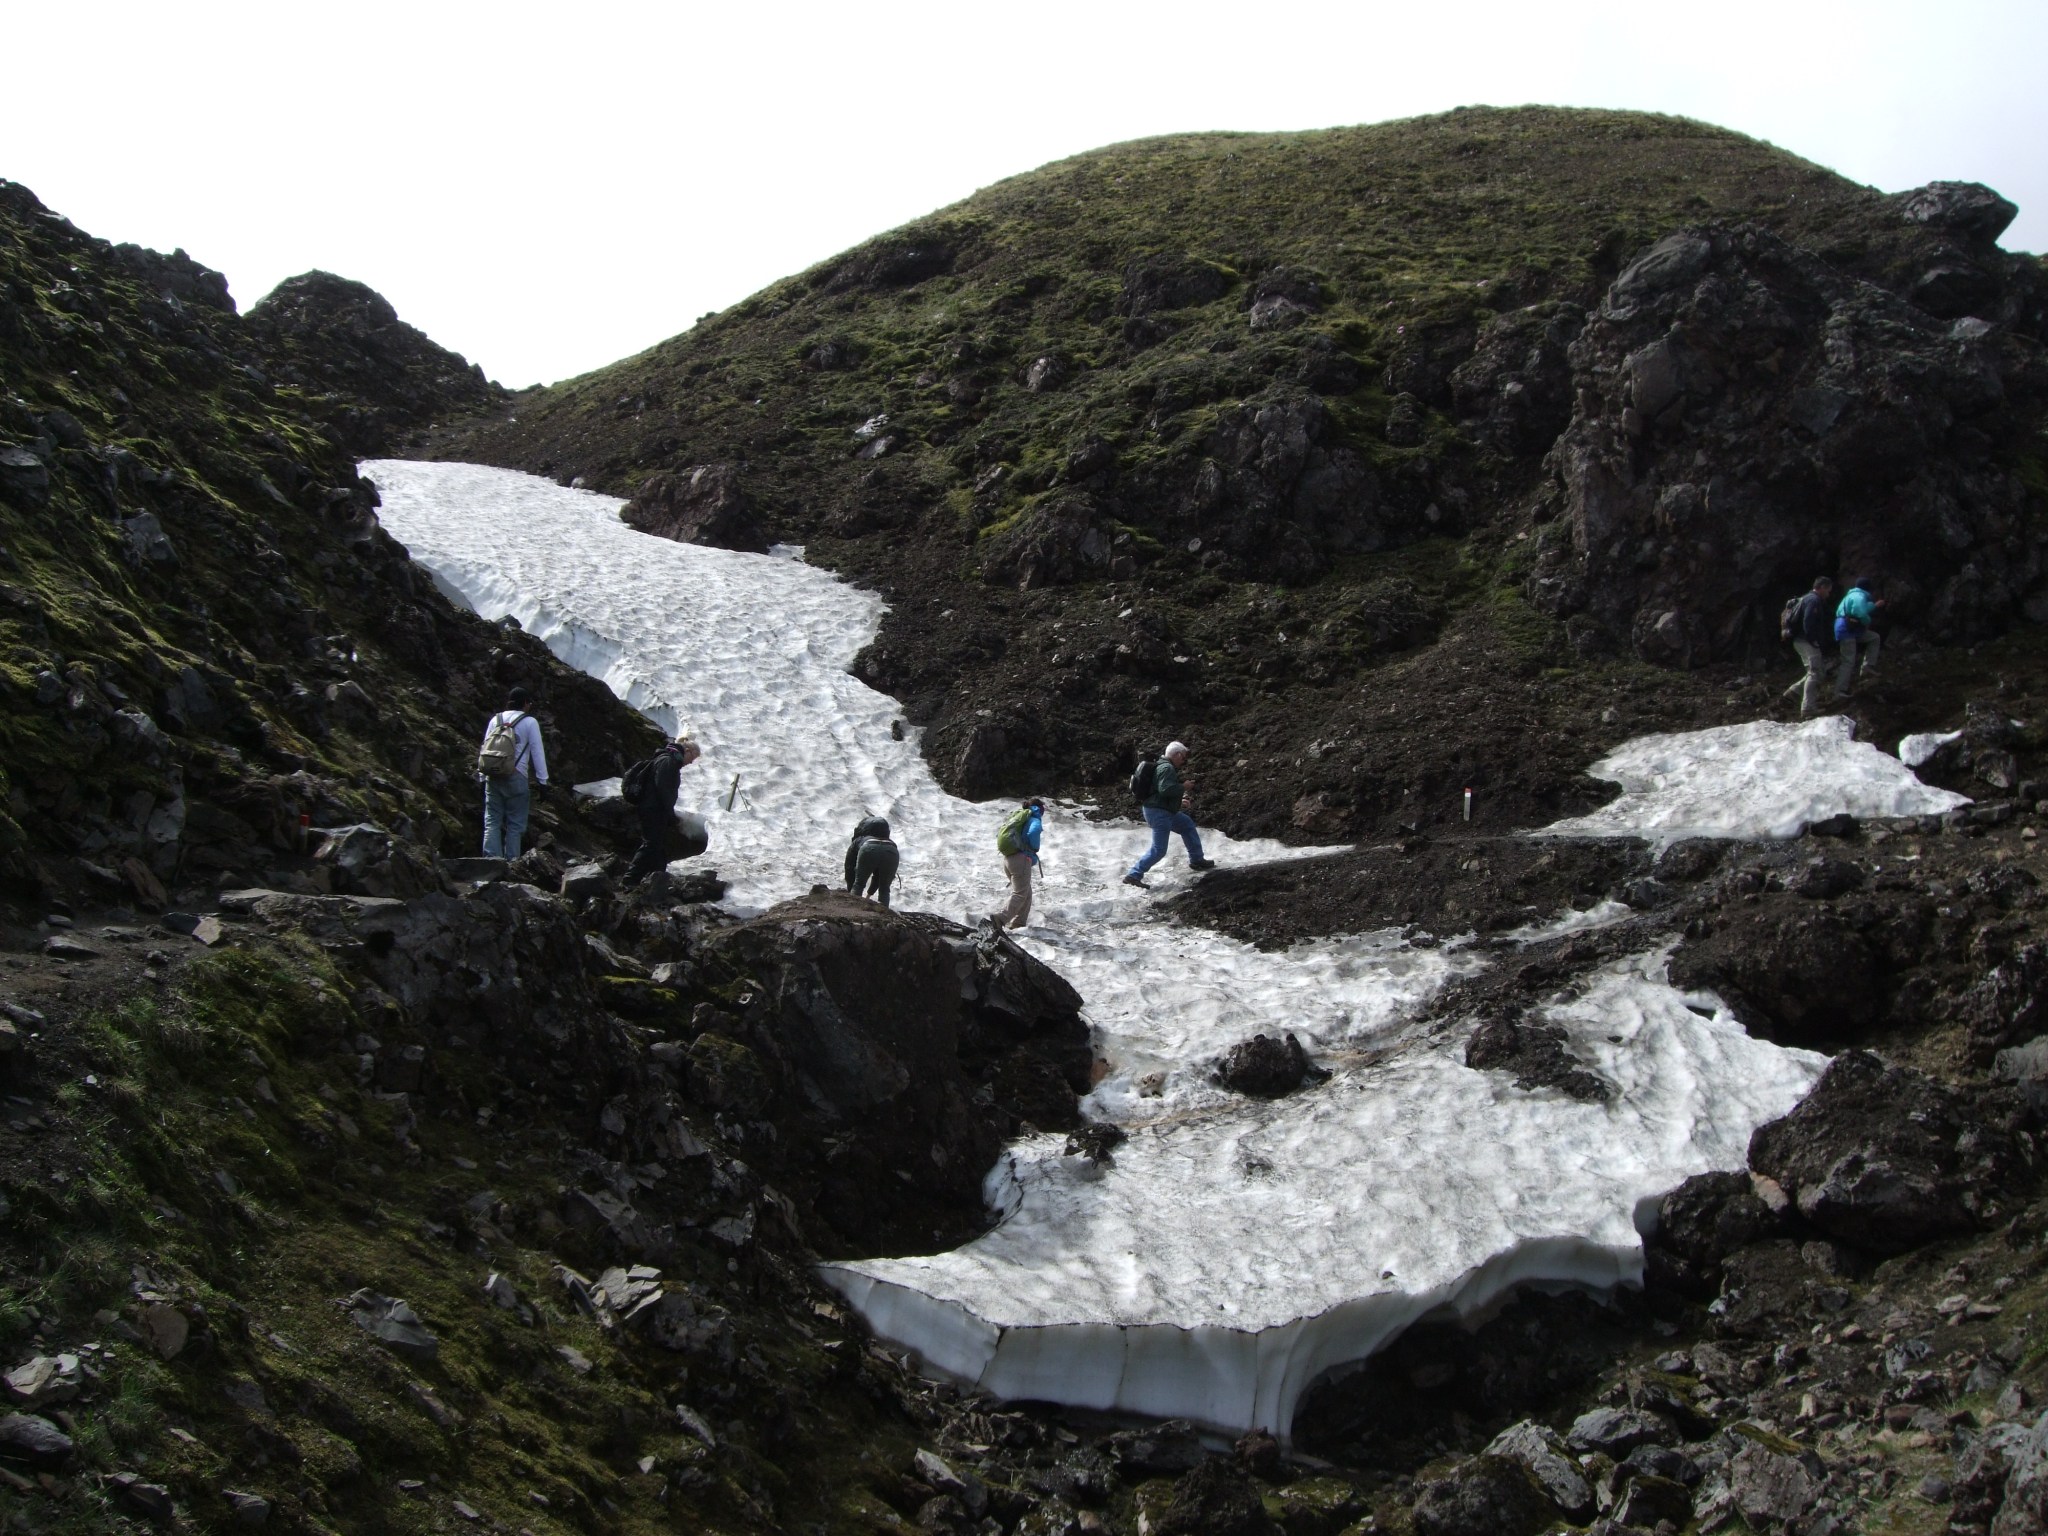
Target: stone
[1535,1050]
[148,544]
[166,1328]
[249,1509]
[1616,1431]
[574,1358]
[26,1437]
[1542,1452]
[1769,1485]
[63,947]
[1215,1499]
[152,1501]
[940,1477]
[45,1381]
[581,881]
[1647,1499]
[24,477]
[1886,1158]
[1485,1496]
[1965,208]
[1824,879]
[391,1322]
[1165,1449]
[2025,1509]
[1264,1067]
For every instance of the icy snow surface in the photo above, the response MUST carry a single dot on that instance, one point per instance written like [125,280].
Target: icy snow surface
[1233,1250]
[1921,745]
[1755,780]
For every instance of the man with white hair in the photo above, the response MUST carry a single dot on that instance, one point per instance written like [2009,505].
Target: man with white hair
[1166,812]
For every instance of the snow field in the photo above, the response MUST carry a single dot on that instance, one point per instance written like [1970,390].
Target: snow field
[1759,779]
[1233,1251]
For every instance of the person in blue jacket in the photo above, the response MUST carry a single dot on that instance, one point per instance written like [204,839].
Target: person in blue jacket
[1020,857]
[1854,638]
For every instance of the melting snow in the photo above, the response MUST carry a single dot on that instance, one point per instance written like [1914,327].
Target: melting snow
[1919,747]
[1756,780]
[1233,1250]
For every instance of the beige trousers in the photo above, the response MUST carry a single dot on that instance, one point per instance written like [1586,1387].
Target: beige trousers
[1019,867]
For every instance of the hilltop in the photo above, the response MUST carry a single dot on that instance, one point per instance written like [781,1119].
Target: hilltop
[1338,454]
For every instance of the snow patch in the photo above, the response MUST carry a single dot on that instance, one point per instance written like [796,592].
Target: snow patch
[1761,779]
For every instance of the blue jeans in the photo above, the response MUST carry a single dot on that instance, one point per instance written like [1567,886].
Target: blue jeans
[1164,824]
[505,805]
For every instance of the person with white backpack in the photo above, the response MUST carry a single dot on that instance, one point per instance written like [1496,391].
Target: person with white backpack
[509,764]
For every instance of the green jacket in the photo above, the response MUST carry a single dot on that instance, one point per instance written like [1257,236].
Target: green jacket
[1167,790]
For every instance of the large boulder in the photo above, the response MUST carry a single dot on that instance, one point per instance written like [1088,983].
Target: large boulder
[1887,1158]
[1793,972]
[1486,1496]
[909,1049]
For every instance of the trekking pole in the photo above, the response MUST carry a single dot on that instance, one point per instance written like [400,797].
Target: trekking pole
[734,793]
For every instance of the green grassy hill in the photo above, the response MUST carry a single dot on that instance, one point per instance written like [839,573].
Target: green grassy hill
[1249,436]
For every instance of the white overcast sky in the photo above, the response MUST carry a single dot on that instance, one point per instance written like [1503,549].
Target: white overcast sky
[549,188]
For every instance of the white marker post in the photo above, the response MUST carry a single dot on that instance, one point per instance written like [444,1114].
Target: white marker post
[1468,803]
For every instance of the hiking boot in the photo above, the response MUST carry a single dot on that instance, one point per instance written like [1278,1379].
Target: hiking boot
[1198,865]
[1138,881]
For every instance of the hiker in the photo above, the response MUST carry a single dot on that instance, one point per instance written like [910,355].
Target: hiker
[510,764]
[1811,628]
[657,780]
[871,860]
[1017,842]
[1166,812]
[1857,641]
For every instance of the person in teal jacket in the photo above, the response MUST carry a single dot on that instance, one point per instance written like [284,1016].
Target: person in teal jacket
[1857,642]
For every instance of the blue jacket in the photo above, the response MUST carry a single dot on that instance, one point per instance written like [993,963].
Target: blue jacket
[1853,614]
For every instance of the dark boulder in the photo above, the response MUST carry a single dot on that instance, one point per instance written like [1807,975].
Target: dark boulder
[2009,1004]
[1700,1223]
[1887,1158]
[1486,1496]
[1155,283]
[702,505]
[1968,210]
[1266,1067]
[1215,1499]
[1793,974]
[1536,1051]
[891,1043]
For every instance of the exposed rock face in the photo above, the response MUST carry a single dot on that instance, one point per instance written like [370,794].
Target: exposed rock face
[703,505]
[1887,1158]
[1842,425]
[1701,1222]
[382,378]
[1535,1051]
[1792,974]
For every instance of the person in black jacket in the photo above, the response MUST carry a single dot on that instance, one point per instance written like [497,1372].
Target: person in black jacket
[871,860]
[1813,637]
[656,809]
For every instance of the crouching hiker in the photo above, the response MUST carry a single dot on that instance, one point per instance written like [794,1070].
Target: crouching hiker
[871,860]
[1809,624]
[1017,842]
[650,788]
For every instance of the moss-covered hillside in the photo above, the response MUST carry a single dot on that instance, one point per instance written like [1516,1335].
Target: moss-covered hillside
[204,635]
[1328,451]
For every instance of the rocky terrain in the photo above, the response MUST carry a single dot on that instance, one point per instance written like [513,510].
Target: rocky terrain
[351,1183]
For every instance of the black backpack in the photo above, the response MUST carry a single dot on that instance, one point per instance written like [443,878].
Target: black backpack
[1789,616]
[634,782]
[1144,779]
